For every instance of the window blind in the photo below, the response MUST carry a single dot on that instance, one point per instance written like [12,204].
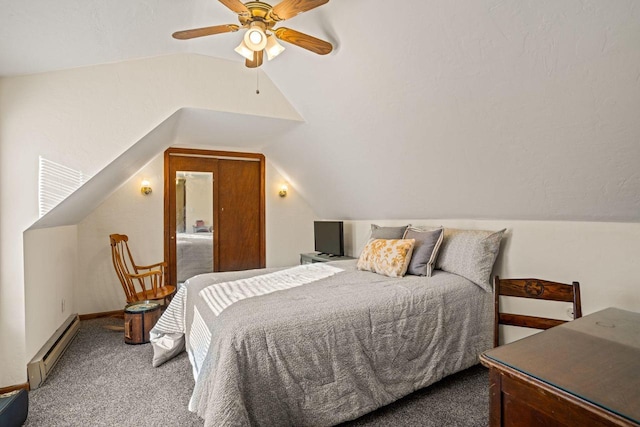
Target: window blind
[55,183]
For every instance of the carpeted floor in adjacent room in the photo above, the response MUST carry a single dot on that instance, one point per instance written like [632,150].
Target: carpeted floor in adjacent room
[101,381]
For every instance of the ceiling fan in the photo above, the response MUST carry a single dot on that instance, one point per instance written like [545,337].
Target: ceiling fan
[259,18]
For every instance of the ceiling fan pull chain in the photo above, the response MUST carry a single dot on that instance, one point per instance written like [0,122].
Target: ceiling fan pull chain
[257,81]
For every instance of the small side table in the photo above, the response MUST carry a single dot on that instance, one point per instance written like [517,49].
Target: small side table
[139,318]
[316,257]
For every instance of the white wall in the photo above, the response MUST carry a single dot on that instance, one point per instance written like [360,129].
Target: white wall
[289,221]
[129,212]
[84,118]
[601,256]
[50,263]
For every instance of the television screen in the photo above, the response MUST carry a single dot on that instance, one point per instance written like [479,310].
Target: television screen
[329,238]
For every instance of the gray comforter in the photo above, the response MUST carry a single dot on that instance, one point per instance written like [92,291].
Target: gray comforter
[331,350]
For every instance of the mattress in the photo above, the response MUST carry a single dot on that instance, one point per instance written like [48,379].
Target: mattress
[326,351]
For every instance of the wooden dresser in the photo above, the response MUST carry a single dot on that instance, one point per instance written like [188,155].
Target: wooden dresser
[583,373]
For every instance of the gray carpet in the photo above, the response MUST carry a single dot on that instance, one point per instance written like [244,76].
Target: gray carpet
[101,381]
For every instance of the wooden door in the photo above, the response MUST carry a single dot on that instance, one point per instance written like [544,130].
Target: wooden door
[239,219]
[237,223]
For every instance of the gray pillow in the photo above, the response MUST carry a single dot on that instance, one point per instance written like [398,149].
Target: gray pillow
[378,232]
[470,254]
[425,250]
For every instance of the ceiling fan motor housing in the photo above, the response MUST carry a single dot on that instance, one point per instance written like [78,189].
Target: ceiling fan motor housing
[260,12]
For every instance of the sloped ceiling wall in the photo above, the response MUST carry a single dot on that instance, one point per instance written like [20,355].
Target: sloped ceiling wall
[483,109]
[519,110]
[187,125]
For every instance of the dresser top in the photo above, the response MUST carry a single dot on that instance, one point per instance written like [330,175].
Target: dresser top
[596,358]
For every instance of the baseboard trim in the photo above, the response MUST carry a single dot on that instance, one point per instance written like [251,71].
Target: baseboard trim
[11,388]
[90,316]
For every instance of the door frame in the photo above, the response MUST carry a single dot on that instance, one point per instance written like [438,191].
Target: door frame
[169,204]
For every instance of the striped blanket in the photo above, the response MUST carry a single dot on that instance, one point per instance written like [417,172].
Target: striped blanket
[221,295]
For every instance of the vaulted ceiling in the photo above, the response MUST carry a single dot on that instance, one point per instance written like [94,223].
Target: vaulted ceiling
[425,109]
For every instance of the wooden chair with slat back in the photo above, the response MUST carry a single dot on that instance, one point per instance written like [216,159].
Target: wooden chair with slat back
[537,289]
[150,279]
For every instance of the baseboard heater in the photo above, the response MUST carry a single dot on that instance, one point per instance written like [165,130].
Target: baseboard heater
[44,361]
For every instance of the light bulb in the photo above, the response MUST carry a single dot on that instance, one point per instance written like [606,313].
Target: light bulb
[255,37]
[145,187]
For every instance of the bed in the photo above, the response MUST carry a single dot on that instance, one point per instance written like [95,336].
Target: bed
[194,254]
[319,344]
[321,351]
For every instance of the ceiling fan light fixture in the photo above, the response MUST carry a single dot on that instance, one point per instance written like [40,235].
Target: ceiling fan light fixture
[244,50]
[273,47]
[258,20]
[255,38]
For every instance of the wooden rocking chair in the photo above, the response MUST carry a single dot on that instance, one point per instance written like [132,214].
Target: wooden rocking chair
[151,282]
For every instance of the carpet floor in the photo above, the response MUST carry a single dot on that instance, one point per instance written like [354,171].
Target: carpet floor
[101,381]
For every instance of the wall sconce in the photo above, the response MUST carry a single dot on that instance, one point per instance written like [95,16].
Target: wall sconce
[283,190]
[145,187]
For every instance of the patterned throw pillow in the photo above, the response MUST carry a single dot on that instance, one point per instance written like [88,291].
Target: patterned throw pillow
[470,254]
[389,257]
[425,250]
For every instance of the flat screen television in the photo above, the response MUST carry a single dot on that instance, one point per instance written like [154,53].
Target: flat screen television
[329,237]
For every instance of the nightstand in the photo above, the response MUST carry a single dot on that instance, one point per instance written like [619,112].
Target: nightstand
[316,257]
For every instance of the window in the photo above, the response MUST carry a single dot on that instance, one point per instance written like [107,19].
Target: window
[55,183]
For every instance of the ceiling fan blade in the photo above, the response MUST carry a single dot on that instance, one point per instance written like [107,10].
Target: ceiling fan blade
[257,60]
[305,41]
[287,9]
[237,6]
[206,31]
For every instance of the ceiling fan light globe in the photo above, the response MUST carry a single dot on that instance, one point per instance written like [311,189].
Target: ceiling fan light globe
[273,48]
[244,50]
[255,39]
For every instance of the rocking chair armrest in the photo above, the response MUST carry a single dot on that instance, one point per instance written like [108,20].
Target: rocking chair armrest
[147,267]
[146,274]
